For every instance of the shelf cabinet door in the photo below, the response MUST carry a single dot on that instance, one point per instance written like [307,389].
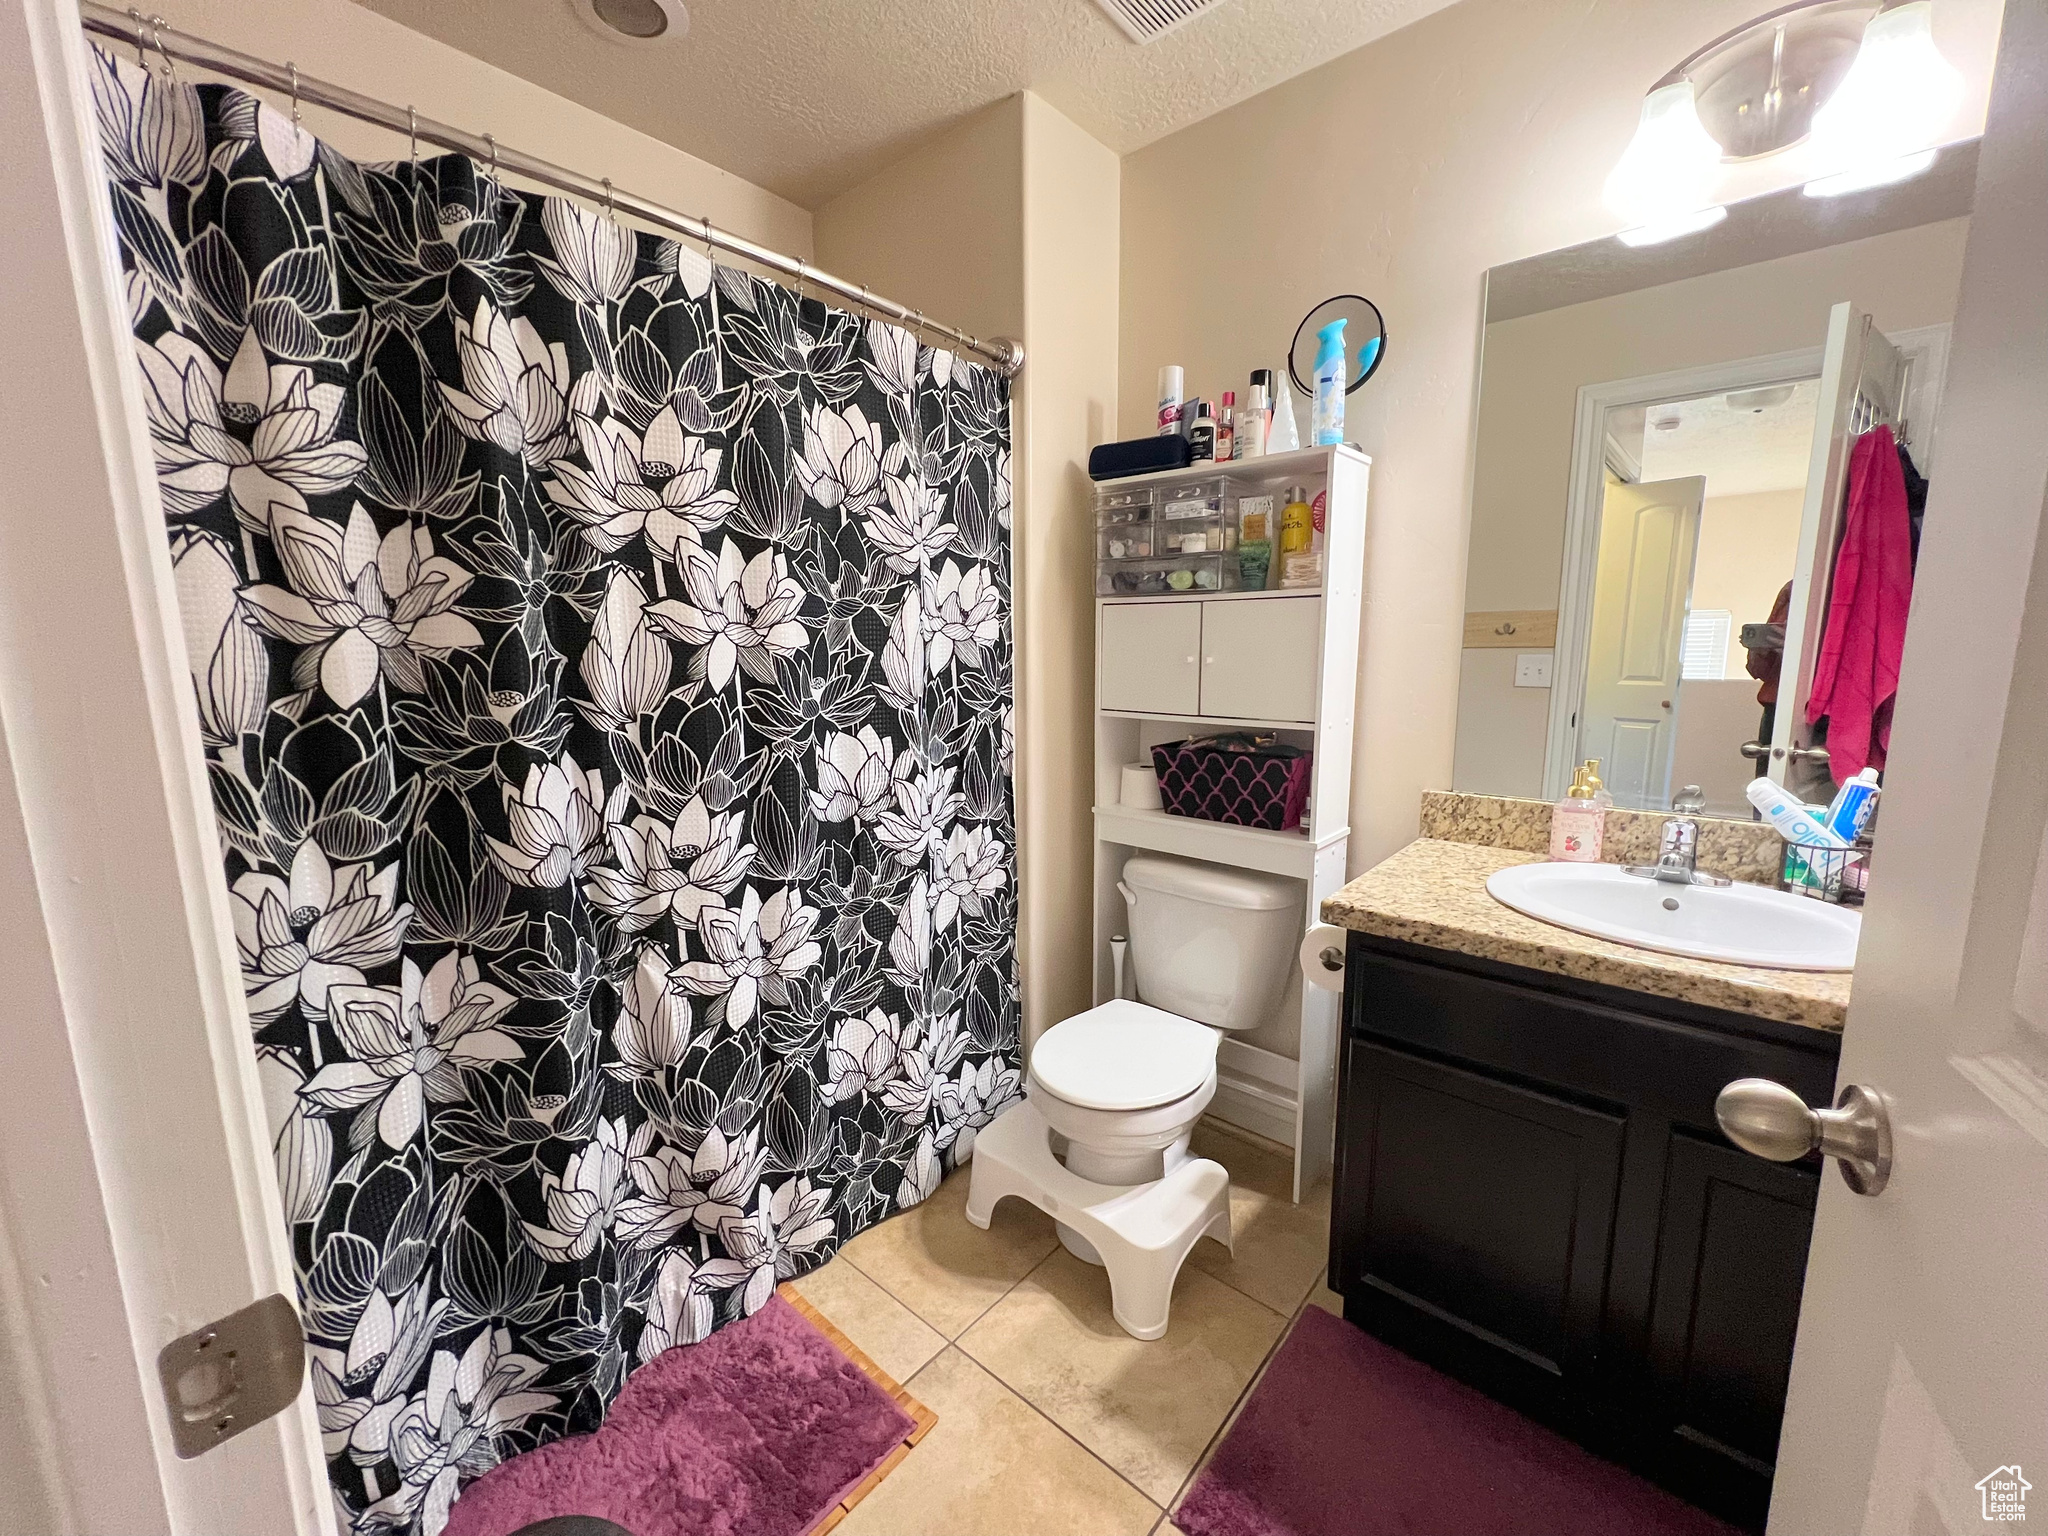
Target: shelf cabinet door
[1148,657]
[1259,658]
[1485,1204]
[1731,1263]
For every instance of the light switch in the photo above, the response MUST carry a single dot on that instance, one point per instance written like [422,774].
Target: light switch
[1532,669]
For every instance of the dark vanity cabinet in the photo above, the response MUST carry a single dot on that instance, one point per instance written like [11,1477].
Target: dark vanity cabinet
[1531,1194]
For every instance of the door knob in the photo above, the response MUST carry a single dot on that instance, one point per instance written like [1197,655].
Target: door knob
[1772,1121]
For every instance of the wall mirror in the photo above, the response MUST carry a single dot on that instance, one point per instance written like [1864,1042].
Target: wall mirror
[1664,442]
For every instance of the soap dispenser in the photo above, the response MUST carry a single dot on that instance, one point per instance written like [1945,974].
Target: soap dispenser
[1578,822]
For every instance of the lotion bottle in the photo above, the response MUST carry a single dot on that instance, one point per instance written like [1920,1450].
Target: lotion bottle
[1226,428]
[1578,822]
[1251,425]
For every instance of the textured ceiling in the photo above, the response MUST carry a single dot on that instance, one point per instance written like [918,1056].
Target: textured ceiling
[1738,448]
[809,97]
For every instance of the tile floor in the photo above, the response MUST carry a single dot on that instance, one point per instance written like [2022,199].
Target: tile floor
[1052,1420]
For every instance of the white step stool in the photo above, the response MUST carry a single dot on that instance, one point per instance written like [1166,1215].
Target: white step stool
[1143,1233]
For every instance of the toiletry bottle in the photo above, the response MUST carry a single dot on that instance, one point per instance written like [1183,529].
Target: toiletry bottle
[1601,794]
[1788,814]
[1262,378]
[1282,436]
[1578,823]
[1202,435]
[1329,402]
[1254,542]
[1226,428]
[1190,413]
[1169,400]
[1853,804]
[1251,424]
[1297,522]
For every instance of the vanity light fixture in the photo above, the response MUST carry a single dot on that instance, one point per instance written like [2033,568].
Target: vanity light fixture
[1882,120]
[1664,183]
[1859,83]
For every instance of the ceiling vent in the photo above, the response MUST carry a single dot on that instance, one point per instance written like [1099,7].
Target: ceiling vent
[1144,20]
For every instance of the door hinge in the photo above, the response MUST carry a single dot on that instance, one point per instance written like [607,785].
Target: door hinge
[233,1373]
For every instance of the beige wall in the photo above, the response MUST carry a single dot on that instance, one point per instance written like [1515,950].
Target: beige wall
[942,229]
[1071,244]
[1404,170]
[366,52]
[1746,552]
[1535,366]
[1007,225]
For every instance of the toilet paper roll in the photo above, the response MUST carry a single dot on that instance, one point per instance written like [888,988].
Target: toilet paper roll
[1141,788]
[1320,946]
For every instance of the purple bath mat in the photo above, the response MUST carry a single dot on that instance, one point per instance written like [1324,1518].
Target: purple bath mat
[759,1431]
[1346,1436]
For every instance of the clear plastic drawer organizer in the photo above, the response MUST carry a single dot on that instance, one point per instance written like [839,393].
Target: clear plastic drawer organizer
[1157,541]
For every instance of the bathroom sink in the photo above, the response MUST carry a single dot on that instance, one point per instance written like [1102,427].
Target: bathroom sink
[1740,924]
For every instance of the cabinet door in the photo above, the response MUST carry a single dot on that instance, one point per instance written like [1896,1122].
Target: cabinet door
[1485,1204]
[1731,1262]
[1148,658]
[1259,658]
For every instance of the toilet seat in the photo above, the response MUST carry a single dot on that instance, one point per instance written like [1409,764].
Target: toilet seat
[1124,1056]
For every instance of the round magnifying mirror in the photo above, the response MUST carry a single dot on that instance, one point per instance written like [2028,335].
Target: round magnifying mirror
[1365,342]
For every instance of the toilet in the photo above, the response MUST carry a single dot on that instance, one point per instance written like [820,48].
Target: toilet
[1113,1094]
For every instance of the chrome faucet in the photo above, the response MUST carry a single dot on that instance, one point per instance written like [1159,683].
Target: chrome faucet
[1678,845]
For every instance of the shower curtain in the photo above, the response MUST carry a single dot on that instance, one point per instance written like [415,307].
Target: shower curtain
[602,658]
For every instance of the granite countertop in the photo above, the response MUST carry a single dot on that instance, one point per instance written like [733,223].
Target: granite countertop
[1433,893]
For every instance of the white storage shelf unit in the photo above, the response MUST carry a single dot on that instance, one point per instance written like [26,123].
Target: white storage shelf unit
[1198,663]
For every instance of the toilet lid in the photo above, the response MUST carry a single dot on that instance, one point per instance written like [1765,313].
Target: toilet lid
[1124,1055]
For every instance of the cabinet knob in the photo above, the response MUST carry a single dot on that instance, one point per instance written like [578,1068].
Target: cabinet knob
[1772,1121]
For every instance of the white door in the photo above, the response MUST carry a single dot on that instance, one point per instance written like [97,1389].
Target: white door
[1648,536]
[1259,658]
[137,1195]
[1862,385]
[1921,1369]
[1150,657]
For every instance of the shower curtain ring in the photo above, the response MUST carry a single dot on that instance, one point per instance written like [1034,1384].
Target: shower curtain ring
[492,141]
[141,54]
[610,211]
[412,133]
[710,250]
[293,70]
[917,330]
[799,281]
[156,28]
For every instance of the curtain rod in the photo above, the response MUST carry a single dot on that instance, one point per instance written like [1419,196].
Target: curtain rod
[1005,353]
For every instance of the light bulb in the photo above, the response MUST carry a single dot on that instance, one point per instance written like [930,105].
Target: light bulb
[1664,182]
[1884,118]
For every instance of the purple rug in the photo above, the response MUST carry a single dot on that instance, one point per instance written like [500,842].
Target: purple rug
[758,1431]
[1346,1436]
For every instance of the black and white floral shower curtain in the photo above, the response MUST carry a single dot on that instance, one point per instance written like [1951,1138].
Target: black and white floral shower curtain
[603,663]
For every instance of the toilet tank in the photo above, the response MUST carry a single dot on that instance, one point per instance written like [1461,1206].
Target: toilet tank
[1211,943]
